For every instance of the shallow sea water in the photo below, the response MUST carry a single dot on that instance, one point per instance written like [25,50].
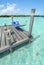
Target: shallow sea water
[32,53]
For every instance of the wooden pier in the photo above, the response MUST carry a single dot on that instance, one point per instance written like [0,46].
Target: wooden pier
[11,37]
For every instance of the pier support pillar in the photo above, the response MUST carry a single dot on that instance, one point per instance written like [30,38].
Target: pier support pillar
[31,22]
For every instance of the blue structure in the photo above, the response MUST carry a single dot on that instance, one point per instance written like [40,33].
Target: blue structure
[16,24]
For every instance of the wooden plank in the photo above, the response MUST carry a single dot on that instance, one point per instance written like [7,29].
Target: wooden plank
[12,40]
[25,32]
[16,33]
[9,38]
[14,45]
[20,42]
[15,37]
[19,33]
[2,38]
[7,42]
[2,49]
[22,34]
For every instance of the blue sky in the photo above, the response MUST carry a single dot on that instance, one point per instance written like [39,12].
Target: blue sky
[21,6]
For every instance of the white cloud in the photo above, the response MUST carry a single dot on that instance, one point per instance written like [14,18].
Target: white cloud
[10,9]
[13,9]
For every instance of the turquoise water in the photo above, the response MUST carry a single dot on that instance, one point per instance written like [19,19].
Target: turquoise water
[32,53]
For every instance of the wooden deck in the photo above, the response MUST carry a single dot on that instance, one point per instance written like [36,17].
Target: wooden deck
[11,37]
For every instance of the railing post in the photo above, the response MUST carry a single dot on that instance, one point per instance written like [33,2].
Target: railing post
[31,22]
[12,18]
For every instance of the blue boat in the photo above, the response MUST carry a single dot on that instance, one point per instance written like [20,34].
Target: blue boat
[16,24]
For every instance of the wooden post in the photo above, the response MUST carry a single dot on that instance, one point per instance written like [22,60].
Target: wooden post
[31,22]
[12,18]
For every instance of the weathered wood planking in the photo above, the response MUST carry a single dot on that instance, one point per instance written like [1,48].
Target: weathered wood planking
[16,32]
[8,40]
[0,37]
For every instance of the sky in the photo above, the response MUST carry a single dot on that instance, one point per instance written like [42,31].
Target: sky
[21,6]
